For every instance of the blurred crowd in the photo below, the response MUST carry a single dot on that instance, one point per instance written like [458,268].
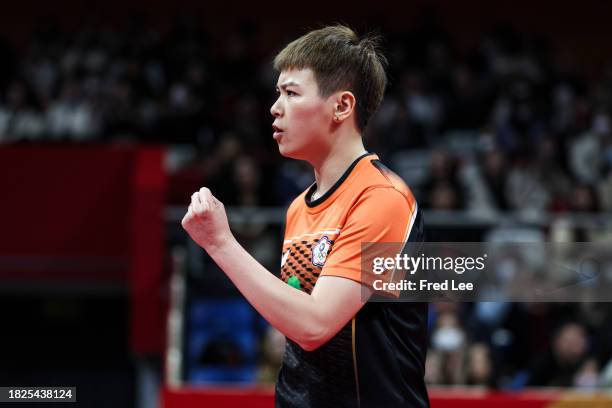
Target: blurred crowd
[514,345]
[502,127]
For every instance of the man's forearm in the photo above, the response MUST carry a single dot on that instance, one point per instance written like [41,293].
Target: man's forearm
[291,311]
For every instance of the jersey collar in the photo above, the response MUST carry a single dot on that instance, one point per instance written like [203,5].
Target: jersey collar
[334,188]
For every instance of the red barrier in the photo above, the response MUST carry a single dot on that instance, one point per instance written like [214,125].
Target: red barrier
[231,397]
[469,398]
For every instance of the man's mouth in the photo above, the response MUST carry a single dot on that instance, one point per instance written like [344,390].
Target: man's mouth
[277,132]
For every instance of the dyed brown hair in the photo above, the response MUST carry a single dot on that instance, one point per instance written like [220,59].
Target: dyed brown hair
[341,60]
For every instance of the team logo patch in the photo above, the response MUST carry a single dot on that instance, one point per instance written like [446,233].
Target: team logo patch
[320,251]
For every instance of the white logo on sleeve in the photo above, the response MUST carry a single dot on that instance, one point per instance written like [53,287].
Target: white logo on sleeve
[320,251]
[284,258]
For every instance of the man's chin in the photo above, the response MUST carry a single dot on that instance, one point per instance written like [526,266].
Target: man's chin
[288,153]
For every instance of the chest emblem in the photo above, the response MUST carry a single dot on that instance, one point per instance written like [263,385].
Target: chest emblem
[320,251]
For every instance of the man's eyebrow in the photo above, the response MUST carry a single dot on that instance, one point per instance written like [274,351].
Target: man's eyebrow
[288,83]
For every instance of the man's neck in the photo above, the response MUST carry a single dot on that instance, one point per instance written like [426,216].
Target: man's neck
[335,163]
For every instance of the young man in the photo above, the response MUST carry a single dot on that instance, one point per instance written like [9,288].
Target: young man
[342,351]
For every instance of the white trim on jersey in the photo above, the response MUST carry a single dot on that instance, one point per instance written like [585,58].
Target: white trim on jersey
[407,235]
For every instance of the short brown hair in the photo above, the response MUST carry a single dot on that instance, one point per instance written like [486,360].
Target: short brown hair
[341,61]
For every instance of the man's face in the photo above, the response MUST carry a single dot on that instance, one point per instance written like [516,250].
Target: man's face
[302,119]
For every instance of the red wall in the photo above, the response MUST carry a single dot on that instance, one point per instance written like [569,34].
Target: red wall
[88,215]
[65,212]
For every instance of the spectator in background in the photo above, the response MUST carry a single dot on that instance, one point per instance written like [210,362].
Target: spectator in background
[391,129]
[525,190]
[585,152]
[423,108]
[433,368]
[245,190]
[443,190]
[604,185]
[587,376]
[19,117]
[292,178]
[479,370]
[120,110]
[466,106]
[584,199]
[443,197]
[273,348]
[449,341]
[495,171]
[551,171]
[566,358]
[247,180]
[70,116]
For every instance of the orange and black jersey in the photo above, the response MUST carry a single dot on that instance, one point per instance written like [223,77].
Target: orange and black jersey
[378,358]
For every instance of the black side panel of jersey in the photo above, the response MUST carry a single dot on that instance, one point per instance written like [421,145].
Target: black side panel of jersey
[320,378]
[417,234]
[391,344]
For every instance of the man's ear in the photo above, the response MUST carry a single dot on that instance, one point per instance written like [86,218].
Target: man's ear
[344,106]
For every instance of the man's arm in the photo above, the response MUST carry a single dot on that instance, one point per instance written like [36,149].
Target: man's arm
[309,320]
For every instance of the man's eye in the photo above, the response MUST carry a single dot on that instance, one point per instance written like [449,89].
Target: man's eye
[290,93]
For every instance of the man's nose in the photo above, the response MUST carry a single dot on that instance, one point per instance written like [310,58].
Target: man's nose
[275,109]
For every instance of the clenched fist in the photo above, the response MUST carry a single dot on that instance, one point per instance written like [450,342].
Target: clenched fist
[206,220]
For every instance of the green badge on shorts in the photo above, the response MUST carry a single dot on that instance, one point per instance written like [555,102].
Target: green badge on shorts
[294,281]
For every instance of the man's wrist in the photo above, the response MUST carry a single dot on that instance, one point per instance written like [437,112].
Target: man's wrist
[220,245]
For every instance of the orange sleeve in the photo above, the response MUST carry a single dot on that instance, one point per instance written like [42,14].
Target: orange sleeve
[381,215]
